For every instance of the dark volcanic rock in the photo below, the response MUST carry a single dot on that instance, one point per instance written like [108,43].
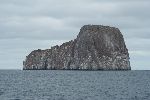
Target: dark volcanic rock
[96,47]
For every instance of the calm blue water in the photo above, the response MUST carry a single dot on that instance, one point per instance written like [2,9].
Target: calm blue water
[74,85]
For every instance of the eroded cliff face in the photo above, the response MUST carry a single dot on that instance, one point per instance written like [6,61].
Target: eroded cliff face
[96,47]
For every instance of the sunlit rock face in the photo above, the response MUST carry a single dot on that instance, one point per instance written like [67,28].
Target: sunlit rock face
[96,47]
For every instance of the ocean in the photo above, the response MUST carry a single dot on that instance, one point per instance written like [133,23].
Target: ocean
[74,85]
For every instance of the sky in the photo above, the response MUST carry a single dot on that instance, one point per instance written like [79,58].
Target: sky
[26,25]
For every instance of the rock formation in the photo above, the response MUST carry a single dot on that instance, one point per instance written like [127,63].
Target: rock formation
[96,47]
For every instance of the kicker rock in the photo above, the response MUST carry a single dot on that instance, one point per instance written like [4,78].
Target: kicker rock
[96,47]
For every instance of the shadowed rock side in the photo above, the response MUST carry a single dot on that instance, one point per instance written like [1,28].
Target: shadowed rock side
[96,47]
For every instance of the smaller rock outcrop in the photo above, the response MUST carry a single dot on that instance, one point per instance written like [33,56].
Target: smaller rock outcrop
[96,47]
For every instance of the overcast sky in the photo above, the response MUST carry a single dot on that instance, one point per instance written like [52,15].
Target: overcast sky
[26,25]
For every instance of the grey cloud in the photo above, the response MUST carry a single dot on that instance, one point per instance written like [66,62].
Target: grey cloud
[136,44]
[141,33]
[15,44]
[139,62]
[36,28]
[29,25]
[14,51]
[58,10]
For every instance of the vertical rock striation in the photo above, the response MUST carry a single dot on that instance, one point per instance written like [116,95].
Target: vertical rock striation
[96,47]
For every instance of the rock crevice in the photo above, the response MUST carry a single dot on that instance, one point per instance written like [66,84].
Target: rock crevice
[96,47]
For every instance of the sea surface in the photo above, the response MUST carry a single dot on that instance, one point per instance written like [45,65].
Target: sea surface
[74,85]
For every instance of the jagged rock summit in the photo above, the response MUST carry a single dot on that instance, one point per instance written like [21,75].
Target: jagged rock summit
[96,47]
